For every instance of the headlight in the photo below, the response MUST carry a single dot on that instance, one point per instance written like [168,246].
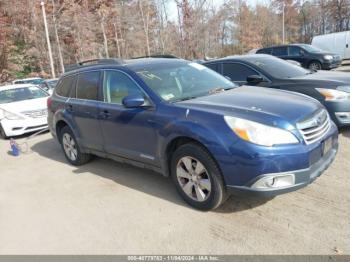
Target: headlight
[8,115]
[333,95]
[258,133]
[328,57]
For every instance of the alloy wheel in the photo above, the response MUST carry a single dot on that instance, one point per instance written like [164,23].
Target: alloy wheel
[193,178]
[69,146]
[315,66]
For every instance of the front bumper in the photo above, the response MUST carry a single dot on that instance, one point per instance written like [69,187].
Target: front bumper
[20,127]
[339,111]
[331,65]
[302,178]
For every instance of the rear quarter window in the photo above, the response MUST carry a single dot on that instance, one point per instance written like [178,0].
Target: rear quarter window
[265,51]
[65,86]
[213,66]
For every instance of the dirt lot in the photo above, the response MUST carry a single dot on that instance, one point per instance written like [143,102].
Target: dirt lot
[50,207]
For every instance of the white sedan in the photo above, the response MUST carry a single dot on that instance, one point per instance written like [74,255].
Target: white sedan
[23,109]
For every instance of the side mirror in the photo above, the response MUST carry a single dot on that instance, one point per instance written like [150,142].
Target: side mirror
[133,101]
[254,79]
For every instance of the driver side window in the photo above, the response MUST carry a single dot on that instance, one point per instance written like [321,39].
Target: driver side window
[237,72]
[117,85]
[294,51]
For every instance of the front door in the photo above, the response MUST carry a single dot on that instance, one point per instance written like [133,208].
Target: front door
[127,132]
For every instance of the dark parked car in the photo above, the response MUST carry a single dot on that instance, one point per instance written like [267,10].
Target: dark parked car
[307,55]
[185,121]
[332,89]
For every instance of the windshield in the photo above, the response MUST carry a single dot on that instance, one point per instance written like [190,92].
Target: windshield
[312,49]
[181,81]
[20,94]
[278,68]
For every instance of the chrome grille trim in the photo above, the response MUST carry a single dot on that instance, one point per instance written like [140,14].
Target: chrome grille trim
[315,128]
[35,113]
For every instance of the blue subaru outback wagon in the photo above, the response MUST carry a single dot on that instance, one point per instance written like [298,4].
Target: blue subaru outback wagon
[190,123]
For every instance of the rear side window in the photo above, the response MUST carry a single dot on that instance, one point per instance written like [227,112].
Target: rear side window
[238,72]
[294,51]
[87,85]
[214,67]
[280,51]
[265,51]
[65,86]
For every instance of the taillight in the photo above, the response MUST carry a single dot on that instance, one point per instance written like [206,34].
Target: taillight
[49,103]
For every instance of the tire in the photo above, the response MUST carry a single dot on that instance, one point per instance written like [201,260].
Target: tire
[193,185]
[71,148]
[2,133]
[315,65]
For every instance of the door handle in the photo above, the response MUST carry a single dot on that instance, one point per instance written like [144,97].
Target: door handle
[70,108]
[105,114]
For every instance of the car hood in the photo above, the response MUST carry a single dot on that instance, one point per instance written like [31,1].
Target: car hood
[25,105]
[260,104]
[341,77]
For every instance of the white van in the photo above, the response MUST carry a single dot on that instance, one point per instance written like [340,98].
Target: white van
[337,43]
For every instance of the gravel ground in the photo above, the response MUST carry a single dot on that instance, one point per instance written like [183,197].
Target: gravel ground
[50,207]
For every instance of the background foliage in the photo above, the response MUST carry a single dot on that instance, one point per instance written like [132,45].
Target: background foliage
[84,29]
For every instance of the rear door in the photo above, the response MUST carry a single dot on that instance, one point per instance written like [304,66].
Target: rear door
[347,46]
[127,132]
[295,53]
[83,107]
[340,43]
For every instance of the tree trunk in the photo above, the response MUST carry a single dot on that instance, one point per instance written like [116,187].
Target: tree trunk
[145,21]
[105,41]
[57,37]
[117,39]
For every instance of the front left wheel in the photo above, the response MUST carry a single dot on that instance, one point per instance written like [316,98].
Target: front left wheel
[315,66]
[197,177]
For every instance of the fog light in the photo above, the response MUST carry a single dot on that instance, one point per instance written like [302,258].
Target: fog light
[274,181]
[343,116]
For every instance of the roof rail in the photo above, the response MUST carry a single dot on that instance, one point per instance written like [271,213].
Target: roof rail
[93,62]
[157,56]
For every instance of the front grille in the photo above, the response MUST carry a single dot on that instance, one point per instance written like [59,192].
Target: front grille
[36,113]
[315,127]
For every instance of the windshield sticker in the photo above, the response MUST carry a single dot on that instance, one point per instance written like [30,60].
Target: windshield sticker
[168,96]
[197,66]
[149,75]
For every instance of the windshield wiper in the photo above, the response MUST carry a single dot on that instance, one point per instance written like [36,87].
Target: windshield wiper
[218,90]
[184,98]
